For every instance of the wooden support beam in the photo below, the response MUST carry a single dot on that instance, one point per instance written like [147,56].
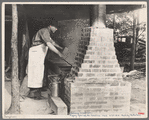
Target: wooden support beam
[15,103]
[137,29]
[133,50]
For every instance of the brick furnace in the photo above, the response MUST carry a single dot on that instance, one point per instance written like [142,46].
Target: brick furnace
[97,85]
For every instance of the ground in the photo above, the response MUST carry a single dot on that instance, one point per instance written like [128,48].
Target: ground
[138,94]
[30,106]
[41,107]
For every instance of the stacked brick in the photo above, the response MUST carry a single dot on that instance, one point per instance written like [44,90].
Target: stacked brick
[98,86]
[82,47]
[100,63]
[98,98]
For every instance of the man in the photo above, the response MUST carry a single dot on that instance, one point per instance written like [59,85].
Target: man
[37,53]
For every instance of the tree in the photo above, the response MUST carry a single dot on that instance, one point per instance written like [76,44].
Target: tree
[124,25]
[15,103]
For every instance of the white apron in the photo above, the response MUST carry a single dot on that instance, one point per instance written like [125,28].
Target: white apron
[36,60]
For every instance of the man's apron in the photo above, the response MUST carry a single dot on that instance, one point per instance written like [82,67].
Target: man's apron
[36,60]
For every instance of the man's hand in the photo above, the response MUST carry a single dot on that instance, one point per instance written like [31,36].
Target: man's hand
[61,55]
[56,45]
[51,47]
[60,47]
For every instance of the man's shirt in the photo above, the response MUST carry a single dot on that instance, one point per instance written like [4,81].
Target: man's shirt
[42,37]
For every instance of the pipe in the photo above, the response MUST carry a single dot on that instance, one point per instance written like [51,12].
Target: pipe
[67,62]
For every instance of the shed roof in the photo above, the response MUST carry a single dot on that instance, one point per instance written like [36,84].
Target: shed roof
[109,8]
[63,12]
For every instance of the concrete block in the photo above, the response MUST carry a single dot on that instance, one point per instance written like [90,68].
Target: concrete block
[95,66]
[96,70]
[90,74]
[89,61]
[89,94]
[57,105]
[107,66]
[85,70]
[110,74]
[90,53]
[75,99]
[78,63]
[100,75]
[87,57]
[101,62]
[81,80]
[77,94]
[80,74]
[114,70]
[111,62]
[80,60]
[109,53]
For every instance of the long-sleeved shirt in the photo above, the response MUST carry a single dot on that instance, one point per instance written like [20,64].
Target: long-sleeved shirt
[42,37]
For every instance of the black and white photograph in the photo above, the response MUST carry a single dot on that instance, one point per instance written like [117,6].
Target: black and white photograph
[74,60]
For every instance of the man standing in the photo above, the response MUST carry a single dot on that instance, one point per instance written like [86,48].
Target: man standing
[37,53]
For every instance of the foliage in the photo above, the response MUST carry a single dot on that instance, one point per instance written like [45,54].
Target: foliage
[123,26]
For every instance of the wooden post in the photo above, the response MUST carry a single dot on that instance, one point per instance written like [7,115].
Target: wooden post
[134,42]
[15,103]
[137,29]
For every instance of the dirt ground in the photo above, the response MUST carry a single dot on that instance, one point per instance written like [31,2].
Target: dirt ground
[138,94]
[29,106]
[41,107]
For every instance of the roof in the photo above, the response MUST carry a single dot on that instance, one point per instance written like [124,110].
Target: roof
[121,8]
[109,8]
[62,12]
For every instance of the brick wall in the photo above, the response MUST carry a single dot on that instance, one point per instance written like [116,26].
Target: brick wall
[81,50]
[96,98]
[97,86]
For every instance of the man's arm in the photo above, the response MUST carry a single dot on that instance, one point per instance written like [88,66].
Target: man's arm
[46,37]
[51,47]
[56,45]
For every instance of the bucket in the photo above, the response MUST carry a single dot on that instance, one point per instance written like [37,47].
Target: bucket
[55,89]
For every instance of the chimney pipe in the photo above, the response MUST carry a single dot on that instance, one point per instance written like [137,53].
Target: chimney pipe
[98,16]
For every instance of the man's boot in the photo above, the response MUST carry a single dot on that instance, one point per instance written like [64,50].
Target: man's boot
[32,92]
[35,93]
